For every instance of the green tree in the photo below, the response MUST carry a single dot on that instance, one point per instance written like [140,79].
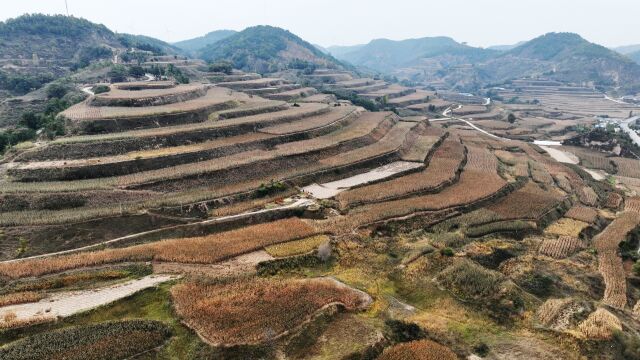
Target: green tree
[511,118]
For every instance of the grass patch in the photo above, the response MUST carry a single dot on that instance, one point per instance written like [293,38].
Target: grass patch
[297,247]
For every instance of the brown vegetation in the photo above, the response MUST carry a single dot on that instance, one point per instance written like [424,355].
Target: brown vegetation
[206,249]
[257,310]
[418,350]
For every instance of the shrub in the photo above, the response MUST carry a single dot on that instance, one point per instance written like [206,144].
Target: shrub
[636,268]
[537,284]
[222,67]
[99,89]
[447,252]
[400,331]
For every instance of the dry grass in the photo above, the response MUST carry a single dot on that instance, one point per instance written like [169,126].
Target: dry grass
[257,310]
[561,247]
[297,247]
[558,314]
[206,250]
[442,169]
[567,227]
[418,350]
[20,298]
[600,325]
[19,323]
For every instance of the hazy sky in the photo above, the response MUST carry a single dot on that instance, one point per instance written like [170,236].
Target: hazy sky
[348,22]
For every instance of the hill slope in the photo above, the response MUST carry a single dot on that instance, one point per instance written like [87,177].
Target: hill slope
[195,44]
[266,49]
[385,55]
[65,39]
[566,57]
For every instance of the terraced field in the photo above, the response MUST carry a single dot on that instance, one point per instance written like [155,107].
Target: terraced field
[443,235]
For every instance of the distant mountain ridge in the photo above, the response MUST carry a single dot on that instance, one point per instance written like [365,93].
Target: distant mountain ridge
[195,44]
[384,55]
[266,49]
[29,35]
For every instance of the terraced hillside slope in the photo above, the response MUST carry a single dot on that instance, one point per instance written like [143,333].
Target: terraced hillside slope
[244,218]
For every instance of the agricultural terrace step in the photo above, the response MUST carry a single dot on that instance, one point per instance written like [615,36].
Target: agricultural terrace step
[421,142]
[336,77]
[223,78]
[319,98]
[364,129]
[378,85]
[262,107]
[273,89]
[353,83]
[85,119]
[478,181]
[253,84]
[144,85]
[302,173]
[418,97]
[148,97]
[88,146]
[165,157]
[392,91]
[293,94]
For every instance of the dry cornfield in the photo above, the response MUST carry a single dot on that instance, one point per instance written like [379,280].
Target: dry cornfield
[609,262]
[561,247]
[258,310]
[203,250]
[582,213]
[418,350]
[529,202]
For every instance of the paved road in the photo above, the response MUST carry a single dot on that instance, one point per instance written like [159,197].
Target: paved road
[624,125]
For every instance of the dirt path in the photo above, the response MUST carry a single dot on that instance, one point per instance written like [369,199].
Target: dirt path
[243,264]
[72,302]
[331,189]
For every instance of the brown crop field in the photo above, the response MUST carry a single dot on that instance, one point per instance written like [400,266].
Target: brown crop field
[206,249]
[257,310]
[609,262]
[85,112]
[418,350]
[582,213]
[627,167]
[560,248]
[441,170]
[479,180]
[528,202]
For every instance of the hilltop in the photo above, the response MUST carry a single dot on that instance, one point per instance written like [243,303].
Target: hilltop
[267,49]
[195,44]
[384,55]
[566,57]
